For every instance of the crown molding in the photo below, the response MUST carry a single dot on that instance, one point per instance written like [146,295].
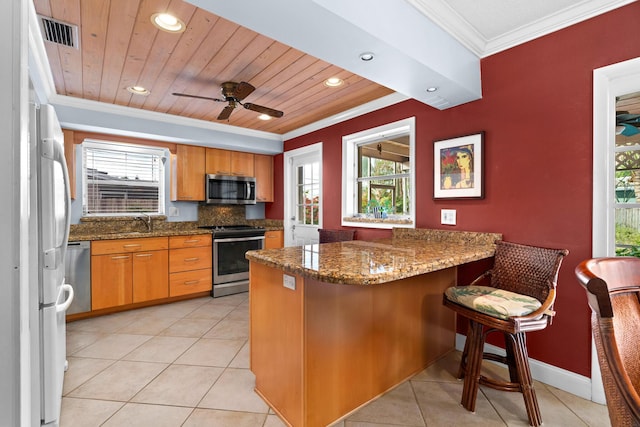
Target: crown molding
[446,17]
[551,23]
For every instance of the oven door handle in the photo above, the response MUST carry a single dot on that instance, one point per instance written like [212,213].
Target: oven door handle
[237,239]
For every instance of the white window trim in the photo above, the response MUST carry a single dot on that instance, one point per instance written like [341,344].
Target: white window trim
[350,171]
[608,82]
[134,148]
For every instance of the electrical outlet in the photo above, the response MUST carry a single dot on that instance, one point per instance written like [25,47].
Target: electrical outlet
[173,211]
[289,282]
[448,216]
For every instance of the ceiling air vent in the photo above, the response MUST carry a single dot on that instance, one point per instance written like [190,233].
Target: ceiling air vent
[59,32]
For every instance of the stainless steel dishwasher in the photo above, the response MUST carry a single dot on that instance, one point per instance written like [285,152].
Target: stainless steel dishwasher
[78,274]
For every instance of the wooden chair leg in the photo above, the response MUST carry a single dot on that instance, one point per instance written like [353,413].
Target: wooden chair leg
[510,358]
[524,378]
[475,341]
[463,361]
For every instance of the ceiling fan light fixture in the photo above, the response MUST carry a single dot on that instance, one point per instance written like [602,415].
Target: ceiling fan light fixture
[333,82]
[367,56]
[264,117]
[138,90]
[168,22]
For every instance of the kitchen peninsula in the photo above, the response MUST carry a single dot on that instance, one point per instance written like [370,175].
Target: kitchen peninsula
[336,325]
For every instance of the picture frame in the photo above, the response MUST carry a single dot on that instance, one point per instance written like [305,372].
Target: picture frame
[458,171]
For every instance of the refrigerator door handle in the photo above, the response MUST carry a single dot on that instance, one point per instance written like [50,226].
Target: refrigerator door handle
[58,156]
[65,305]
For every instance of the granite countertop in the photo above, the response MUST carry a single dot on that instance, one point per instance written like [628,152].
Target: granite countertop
[100,235]
[410,252]
[108,228]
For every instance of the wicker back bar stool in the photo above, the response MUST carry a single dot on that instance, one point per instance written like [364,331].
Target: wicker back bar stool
[514,297]
[613,293]
[328,236]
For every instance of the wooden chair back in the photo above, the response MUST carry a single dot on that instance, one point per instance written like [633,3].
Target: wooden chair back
[528,270]
[328,236]
[613,292]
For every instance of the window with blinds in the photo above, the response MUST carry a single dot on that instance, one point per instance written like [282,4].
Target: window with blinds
[122,179]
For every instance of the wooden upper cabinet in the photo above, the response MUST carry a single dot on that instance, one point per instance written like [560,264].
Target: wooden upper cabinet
[227,162]
[187,173]
[242,163]
[218,162]
[264,177]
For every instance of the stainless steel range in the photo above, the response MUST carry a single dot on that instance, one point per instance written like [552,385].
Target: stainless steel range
[230,267]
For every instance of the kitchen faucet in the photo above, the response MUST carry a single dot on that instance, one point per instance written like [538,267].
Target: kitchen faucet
[146,218]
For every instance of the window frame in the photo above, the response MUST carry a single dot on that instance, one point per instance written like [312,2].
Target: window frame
[128,148]
[350,164]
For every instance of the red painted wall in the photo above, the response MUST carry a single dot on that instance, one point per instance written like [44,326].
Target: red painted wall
[536,112]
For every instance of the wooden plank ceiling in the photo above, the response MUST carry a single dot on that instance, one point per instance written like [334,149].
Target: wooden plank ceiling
[120,47]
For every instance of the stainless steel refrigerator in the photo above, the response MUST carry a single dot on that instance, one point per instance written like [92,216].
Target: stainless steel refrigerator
[50,206]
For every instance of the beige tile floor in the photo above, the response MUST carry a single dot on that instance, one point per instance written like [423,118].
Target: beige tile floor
[187,364]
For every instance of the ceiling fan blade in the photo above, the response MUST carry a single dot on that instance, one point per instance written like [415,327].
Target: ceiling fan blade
[226,112]
[242,90]
[264,110]
[198,97]
[627,118]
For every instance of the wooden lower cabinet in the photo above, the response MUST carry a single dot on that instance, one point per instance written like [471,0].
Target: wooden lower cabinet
[111,279]
[189,264]
[127,271]
[130,271]
[189,282]
[274,239]
[150,278]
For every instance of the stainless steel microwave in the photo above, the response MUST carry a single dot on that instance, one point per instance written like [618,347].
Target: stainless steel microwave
[230,190]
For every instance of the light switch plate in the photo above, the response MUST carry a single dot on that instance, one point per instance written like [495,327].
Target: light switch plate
[289,282]
[448,216]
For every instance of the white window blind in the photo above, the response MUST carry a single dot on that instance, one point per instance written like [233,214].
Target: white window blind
[122,179]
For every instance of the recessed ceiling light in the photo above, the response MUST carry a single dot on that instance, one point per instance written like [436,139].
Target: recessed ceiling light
[167,22]
[264,117]
[333,82]
[367,56]
[432,89]
[138,90]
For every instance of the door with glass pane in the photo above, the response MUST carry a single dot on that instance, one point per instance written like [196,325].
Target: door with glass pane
[303,192]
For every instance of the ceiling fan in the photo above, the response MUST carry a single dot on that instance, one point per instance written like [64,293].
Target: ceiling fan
[627,124]
[234,93]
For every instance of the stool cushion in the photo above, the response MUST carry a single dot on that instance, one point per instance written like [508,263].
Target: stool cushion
[494,302]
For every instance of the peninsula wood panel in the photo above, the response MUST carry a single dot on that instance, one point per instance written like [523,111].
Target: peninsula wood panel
[322,350]
[119,47]
[276,329]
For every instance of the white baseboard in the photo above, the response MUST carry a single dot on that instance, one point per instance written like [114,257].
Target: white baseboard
[552,375]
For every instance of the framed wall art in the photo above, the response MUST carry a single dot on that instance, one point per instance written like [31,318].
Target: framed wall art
[458,171]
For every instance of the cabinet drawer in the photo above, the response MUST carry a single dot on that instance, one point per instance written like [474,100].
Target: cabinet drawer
[189,282]
[189,259]
[189,241]
[101,247]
